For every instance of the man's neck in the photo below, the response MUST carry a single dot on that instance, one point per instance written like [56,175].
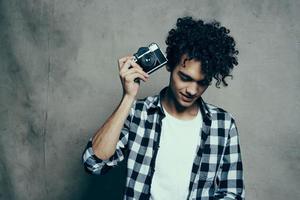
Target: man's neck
[176,110]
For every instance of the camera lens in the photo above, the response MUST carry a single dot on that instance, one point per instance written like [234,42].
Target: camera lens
[148,61]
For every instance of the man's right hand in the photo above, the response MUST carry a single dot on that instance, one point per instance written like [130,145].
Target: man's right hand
[129,71]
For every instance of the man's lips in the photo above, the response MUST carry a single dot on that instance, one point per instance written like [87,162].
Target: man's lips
[186,98]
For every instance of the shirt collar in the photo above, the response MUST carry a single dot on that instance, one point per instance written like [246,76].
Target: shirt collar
[156,105]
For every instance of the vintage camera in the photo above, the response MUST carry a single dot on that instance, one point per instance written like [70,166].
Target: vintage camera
[150,58]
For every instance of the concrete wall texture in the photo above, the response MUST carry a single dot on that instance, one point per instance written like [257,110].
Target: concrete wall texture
[59,82]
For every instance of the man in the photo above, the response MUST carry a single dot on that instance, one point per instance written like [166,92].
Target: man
[177,146]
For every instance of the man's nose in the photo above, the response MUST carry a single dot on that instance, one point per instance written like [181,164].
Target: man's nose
[191,90]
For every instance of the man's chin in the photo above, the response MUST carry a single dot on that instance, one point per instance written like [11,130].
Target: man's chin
[185,104]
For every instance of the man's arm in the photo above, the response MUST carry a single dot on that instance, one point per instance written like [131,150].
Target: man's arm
[95,164]
[104,149]
[230,178]
[105,140]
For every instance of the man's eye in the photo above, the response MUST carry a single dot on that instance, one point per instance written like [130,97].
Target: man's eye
[184,78]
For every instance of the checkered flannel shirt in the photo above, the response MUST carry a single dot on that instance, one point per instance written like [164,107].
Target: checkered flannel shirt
[217,171]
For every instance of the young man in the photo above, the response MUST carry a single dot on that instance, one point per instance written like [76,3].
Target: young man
[177,146]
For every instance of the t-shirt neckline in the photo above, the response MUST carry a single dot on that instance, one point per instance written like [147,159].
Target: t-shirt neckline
[185,121]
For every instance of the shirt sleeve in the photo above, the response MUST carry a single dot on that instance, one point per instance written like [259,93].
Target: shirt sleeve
[230,179]
[94,165]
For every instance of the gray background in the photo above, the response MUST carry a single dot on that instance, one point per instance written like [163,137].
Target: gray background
[59,82]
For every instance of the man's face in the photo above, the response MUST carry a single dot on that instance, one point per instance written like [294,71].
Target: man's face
[186,82]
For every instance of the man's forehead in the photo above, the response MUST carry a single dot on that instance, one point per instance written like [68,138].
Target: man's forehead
[185,57]
[191,68]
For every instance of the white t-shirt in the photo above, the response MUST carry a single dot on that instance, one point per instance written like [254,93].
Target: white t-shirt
[175,156]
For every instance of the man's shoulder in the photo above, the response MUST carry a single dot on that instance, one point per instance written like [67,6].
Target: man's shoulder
[146,102]
[218,112]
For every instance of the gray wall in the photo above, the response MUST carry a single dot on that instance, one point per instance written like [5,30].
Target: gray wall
[59,82]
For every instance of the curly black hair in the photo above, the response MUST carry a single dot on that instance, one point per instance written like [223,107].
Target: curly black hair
[207,42]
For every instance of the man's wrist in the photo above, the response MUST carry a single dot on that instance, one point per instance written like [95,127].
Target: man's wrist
[128,98]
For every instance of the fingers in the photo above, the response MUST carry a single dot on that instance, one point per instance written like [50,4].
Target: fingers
[134,64]
[134,70]
[123,60]
[133,76]
[127,63]
[130,70]
[135,67]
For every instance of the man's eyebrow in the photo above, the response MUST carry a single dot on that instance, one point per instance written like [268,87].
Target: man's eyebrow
[189,77]
[185,75]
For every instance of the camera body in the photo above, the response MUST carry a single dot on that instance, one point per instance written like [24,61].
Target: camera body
[150,58]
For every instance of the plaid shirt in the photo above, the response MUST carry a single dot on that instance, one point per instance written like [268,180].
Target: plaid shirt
[217,171]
